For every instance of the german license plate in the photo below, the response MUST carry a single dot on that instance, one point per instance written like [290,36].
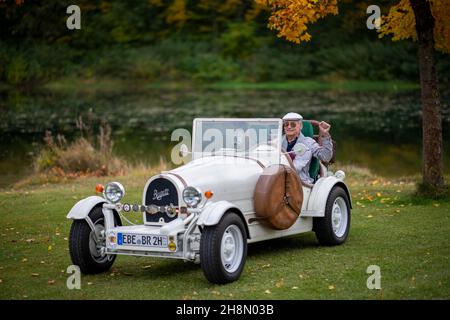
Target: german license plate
[143,240]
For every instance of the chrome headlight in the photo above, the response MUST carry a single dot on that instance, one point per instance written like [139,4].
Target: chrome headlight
[114,192]
[192,196]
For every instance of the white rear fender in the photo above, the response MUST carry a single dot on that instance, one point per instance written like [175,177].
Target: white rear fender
[319,195]
[82,208]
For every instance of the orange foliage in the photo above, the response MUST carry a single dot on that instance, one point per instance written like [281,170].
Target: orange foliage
[400,23]
[292,17]
[177,13]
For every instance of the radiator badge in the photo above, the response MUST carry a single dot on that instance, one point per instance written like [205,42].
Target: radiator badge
[159,195]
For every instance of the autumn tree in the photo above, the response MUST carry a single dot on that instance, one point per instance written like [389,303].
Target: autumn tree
[424,21]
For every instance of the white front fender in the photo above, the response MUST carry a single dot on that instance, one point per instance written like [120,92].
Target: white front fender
[319,195]
[212,213]
[82,208]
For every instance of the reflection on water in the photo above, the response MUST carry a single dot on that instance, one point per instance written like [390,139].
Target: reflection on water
[381,131]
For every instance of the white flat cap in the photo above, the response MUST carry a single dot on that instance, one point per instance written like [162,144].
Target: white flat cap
[292,116]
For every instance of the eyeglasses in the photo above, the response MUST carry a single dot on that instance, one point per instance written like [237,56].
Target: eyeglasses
[292,124]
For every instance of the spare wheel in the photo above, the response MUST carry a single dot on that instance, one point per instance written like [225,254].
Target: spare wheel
[278,196]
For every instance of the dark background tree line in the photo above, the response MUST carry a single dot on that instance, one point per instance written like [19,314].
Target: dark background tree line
[201,41]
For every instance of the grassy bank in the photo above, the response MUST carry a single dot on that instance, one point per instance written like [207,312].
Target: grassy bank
[105,84]
[406,236]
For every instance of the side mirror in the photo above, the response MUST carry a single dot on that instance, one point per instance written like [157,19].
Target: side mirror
[184,150]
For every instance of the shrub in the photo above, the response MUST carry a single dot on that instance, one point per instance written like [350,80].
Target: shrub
[240,40]
[81,157]
[16,72]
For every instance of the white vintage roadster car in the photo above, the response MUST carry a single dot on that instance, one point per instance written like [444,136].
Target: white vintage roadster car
[239,187]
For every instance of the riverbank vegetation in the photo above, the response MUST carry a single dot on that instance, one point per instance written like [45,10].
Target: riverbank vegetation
[90,154]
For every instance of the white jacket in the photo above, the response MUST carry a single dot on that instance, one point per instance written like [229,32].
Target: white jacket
[312,149]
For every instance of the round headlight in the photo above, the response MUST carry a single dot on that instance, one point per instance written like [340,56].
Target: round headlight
[114,192]
[192,196]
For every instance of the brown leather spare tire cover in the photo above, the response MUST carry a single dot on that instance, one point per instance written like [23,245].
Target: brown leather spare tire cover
[278,196]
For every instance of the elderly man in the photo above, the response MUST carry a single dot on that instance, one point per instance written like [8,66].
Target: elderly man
[301,148]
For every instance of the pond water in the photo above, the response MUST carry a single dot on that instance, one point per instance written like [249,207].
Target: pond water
[378,130]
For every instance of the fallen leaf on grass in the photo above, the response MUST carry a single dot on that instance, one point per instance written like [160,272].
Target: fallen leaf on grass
[266,266]
[35,274]
[49,248]
[280,283]
[51,282]
[146,267]
[24,260]
[267,291]
[90,283]
[30,240]
[127,274]
[331,287]
[370,216]
[294,288]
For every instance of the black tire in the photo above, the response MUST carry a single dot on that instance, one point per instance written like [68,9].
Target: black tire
[210,250]
[323,226]
[80,252]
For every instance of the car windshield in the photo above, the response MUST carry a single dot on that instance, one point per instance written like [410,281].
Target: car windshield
[236,136]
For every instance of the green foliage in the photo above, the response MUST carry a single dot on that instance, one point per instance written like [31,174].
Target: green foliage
[240,40]
[210,67]
[16,71]
[216,41]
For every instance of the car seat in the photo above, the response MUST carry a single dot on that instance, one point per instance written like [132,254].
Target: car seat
[314,167]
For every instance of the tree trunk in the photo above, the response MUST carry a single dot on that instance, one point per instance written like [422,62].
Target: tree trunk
[432,165]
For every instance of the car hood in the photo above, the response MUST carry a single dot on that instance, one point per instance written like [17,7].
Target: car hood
[230,178]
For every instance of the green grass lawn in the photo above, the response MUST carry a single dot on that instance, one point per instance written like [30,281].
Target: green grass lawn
[408,238]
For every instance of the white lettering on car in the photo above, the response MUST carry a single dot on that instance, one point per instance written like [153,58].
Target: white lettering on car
[159,195]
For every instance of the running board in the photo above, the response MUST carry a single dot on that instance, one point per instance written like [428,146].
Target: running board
[312,213]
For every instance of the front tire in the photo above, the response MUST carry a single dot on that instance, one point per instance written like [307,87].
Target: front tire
[83,247]
[223,249]
[333,228]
